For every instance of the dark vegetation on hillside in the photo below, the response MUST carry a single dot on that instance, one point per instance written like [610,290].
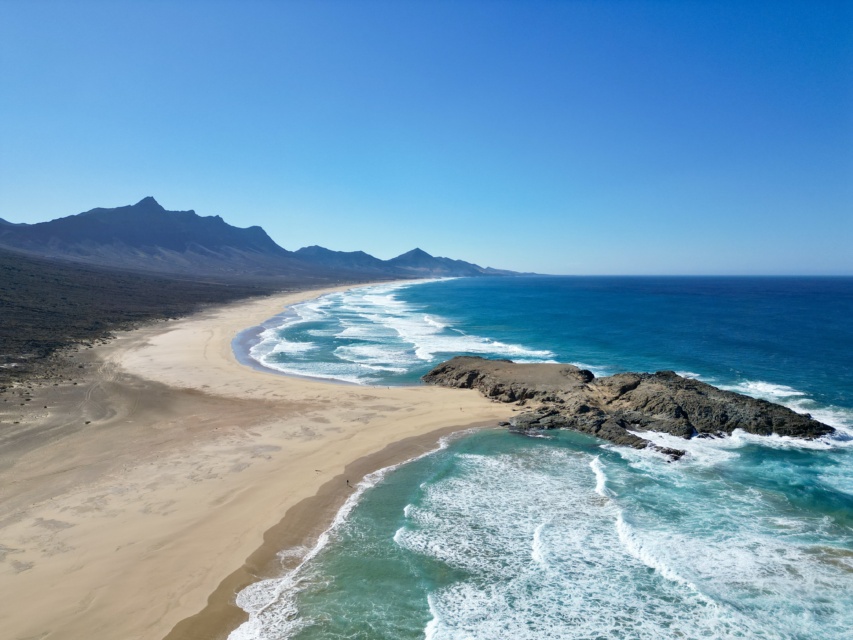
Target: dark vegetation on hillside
[73,280]
[46,306]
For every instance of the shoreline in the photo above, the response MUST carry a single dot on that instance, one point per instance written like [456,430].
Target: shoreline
[135,501]
[243,341]
[301,528]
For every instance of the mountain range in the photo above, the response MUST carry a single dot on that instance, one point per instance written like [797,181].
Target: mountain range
[147,237]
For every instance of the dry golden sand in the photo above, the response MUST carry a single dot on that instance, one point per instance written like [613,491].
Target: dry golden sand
[124,527]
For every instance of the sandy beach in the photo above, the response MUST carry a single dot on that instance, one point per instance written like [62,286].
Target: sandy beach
[136,502]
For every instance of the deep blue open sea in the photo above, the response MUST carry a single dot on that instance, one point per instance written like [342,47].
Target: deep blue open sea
[498,535]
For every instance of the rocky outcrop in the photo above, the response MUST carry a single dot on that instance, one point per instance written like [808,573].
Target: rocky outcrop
[618,408]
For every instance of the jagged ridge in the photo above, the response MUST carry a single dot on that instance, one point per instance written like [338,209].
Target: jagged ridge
[145,236]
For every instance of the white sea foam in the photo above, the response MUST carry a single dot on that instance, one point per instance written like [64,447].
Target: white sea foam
[731,542]
[764,390]
[271,604]
[434,322]
[743,551]
[283,346]
[537,548]
[689,374]
[369,331]
[775,441]
[327,371]
[546,558]
[597,371]
[397,534]
[711,452]
[637,548]
[366,332]
[600,478]
[293,552]
[322,333]
[838,480]
[840,418]
[375,357]
[699,451]
[432,628]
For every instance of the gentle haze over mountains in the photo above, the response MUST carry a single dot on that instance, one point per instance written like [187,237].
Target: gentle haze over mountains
[557,137]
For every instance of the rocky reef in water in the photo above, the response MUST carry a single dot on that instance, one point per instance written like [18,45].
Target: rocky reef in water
[618,408]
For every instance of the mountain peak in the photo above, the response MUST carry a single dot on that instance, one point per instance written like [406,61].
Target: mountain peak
[149,202]
[415,253]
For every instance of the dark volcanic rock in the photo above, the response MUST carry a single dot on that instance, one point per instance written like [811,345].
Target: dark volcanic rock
[616,407]
[507,381]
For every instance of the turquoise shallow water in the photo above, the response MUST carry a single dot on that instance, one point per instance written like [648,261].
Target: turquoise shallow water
[498,535]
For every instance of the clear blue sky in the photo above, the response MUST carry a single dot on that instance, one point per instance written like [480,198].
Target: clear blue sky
[562,137]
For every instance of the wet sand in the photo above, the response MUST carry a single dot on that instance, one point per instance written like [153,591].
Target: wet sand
[140,500]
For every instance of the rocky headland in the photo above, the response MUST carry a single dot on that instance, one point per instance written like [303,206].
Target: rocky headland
[618,408]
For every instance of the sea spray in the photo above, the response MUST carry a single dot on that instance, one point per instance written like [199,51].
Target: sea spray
[537,548]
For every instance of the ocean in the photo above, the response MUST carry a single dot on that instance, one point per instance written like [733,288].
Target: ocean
[499,535]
